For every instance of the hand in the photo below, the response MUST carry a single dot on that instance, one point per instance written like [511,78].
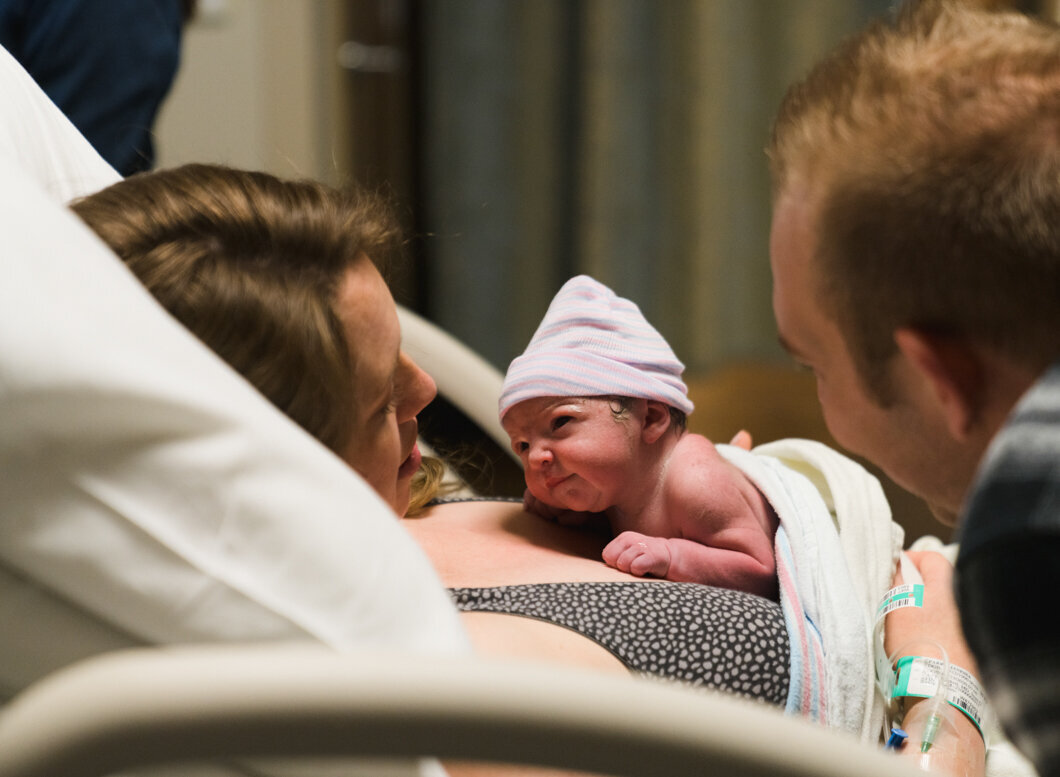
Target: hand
[638,554]
[534,505]
[958,750]
[560,515]
[742,439]
[937,621]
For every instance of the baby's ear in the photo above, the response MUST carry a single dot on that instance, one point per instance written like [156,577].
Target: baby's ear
[656,420]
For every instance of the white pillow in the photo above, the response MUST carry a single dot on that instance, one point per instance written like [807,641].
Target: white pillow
[144,482]
[34,131]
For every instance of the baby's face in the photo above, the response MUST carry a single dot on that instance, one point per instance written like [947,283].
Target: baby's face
[577,452]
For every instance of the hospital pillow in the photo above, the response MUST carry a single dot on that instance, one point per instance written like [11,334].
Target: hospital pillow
[145,485]
[34,131]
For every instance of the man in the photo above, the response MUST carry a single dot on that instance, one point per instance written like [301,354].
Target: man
[916,265]
[107,64]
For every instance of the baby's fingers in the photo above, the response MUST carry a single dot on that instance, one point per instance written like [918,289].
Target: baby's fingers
[615,552]
[742,439]
[637,554]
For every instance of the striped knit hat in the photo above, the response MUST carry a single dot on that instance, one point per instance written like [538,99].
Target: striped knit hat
[592,342]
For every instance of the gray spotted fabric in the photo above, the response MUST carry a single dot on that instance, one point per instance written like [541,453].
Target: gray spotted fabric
[686,632]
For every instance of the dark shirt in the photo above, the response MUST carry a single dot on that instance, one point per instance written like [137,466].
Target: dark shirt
[1008,572]
[107,64]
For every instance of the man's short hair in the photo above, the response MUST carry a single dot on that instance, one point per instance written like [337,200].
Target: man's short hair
[929,148]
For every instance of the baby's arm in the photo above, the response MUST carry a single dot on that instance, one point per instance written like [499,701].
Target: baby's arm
[712,526]
[687,560]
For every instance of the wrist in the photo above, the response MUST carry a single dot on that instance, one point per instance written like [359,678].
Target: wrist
[918,677]
[955,745]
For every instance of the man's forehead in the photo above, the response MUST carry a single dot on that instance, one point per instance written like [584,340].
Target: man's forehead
[796,298]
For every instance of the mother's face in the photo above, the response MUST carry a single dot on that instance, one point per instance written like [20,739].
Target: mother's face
[390,389]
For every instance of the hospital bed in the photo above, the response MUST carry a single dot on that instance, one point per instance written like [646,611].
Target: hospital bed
[99,663]
[129,710]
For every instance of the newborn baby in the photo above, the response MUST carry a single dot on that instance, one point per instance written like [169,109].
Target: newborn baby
[595,408]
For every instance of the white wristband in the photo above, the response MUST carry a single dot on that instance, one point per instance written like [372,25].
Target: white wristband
[920,676]
[911,595]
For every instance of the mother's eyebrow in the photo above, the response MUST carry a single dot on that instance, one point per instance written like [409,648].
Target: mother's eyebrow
[386,396]
[394,370]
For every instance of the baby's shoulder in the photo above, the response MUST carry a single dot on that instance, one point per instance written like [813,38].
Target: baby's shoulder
[695,467]
[694,450]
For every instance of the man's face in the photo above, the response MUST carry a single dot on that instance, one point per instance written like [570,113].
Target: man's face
[908,439]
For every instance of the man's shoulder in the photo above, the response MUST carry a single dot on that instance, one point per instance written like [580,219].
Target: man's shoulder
[1017,488]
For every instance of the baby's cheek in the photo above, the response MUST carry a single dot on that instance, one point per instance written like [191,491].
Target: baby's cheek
[534,484]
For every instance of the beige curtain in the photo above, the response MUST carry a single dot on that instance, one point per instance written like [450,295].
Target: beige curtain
[619,138]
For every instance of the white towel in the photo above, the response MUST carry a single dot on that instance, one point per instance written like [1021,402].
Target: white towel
[840,547]
[837,535]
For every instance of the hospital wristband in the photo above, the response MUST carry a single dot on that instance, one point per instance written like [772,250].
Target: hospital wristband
[898,597]
[919,676]
[908,595]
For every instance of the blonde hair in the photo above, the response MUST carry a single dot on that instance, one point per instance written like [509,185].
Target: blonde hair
[428,484]
[928,148]
[251,264]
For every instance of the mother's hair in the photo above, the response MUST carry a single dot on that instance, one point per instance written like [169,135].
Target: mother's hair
[251,264]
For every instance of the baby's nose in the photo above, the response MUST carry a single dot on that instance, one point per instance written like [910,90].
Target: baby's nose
[540,455]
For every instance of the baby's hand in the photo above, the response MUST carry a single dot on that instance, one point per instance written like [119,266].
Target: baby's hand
[557,514]
[638,554]
[534,505]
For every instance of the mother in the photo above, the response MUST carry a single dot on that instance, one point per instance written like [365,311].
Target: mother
[283,280]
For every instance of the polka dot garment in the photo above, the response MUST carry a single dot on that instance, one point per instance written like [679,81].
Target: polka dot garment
[686,632]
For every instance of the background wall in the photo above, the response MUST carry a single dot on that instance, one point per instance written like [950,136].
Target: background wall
[260,87]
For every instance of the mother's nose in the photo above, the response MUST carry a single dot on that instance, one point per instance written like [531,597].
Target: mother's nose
[419,389]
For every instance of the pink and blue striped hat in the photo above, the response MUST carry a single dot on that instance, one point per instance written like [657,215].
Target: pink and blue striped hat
[592,342]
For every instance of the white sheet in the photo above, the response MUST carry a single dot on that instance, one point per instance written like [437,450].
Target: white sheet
[35,132]
[142,481]
[844,549]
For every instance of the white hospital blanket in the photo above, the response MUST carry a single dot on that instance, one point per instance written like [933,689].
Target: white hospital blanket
[837,548]
[837,551]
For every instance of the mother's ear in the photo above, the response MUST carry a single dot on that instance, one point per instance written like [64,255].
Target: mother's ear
[656,420]
[953,371]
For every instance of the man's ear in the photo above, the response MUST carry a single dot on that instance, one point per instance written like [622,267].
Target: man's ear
[953,371]
[656,420]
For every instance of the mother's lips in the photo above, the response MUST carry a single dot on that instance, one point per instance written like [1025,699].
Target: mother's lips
[411,464]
